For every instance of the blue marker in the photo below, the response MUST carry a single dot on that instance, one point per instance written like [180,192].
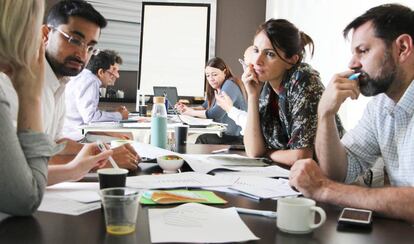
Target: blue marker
[354,76]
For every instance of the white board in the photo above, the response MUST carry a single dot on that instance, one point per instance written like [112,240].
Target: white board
[174,47]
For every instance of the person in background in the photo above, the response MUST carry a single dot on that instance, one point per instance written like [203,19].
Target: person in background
[70,35]
[24,153]
[219,78]
[82,94]
[225,102]
[283,95]
[383,54]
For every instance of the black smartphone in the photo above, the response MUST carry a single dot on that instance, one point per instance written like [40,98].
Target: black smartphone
[354,219]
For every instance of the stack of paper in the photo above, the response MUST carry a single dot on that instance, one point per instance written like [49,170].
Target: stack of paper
[72,198]
[231,162]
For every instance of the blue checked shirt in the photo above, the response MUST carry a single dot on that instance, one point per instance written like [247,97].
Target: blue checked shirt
[385,130]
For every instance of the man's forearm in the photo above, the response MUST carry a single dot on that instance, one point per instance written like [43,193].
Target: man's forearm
[394,202]
[330,152]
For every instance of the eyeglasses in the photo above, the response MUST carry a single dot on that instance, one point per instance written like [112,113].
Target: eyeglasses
[111,73]
[77,42]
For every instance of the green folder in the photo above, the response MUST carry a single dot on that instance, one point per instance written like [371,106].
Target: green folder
[180,196]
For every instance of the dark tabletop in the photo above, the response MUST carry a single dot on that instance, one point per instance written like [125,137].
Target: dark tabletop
[51,228]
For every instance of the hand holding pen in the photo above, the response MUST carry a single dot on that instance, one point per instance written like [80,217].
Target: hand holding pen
[342,86]
[251,81]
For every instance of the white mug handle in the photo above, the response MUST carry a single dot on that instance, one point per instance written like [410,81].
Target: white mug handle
[322,213]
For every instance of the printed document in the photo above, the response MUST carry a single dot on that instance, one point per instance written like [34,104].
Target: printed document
[264,188]
[179,180]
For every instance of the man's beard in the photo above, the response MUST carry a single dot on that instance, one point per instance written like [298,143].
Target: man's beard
[374,86]
[61,70]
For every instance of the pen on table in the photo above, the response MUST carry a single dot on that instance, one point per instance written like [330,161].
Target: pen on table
[220,150]
[102,147]
[270,214]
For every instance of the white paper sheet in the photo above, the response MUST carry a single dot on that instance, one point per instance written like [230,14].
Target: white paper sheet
[72,198]
[84,192]
[149,151]
[270,171]
[190,120]
[206,163]
[264,187]
[180,180]
[192,222]
[66,206]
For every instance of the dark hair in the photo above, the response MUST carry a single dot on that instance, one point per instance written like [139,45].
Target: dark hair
[286,37]
[389,21]
[60,13]
[219,63]
[103,60]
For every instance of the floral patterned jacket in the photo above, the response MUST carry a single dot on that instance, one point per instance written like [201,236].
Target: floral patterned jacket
[289,118]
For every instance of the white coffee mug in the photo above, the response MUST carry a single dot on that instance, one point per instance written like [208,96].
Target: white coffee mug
[297,215]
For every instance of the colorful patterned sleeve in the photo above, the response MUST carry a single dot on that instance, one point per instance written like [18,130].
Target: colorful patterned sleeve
[303,96]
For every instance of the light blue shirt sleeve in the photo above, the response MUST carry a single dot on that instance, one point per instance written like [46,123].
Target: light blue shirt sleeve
[361,145]
[87,103]
[87,100]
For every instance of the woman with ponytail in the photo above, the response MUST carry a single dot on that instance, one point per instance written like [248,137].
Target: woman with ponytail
[283,94]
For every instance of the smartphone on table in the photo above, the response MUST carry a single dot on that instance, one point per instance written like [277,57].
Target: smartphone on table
[354,219]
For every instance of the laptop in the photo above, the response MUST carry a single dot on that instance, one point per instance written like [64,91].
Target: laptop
[170,92]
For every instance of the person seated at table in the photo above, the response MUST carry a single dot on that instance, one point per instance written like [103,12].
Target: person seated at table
[71,34]
[82,94]
[225,102]
[219,78]
[383,54]
[283,94]
[24,153]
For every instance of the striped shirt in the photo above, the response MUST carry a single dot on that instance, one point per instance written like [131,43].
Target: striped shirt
[385,130]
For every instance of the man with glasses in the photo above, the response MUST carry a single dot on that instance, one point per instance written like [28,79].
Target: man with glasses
[82,94]
[72,31]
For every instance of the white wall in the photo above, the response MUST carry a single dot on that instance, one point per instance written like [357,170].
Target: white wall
[324,21]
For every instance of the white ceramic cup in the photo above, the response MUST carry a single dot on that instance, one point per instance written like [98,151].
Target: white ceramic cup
[297,215]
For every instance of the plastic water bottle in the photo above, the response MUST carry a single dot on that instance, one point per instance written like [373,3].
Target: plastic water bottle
[159,123]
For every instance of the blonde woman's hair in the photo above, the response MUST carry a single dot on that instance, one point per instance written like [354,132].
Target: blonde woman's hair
[20,22]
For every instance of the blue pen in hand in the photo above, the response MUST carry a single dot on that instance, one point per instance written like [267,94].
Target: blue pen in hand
[354,76]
